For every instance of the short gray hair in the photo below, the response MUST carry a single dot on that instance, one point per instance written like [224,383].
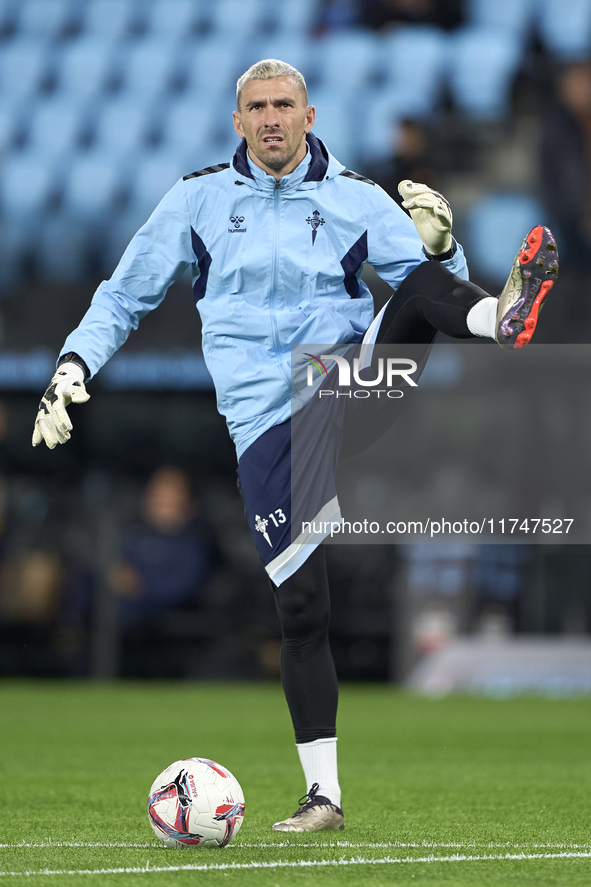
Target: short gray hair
[266,70]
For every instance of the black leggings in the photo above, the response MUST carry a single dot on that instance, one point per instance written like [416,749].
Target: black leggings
[429,299]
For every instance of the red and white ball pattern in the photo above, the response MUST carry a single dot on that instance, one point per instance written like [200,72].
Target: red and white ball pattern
[196,803]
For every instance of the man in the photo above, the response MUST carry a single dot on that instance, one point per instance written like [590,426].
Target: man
[277,240]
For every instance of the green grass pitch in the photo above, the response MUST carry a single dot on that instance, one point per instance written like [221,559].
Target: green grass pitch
[459,791]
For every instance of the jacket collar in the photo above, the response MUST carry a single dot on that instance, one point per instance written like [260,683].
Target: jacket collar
[314,166]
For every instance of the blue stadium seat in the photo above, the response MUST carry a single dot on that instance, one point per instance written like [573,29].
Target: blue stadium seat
[85,66]
[502,219]
[12,115]
[225,135]
[293,17]
[219,151]
[123,125]
[347,60]
[45,18]
[27,181]
[238,17]
[111,18]
[295,49]
[415,63]
[382,111]
[189,125]
[92,186]
[55,126]
[566,28]
[213,65]
[484,62]
[24,64]
[61,253]
[514,15]
[8,14]
[153,175]
[149,66]
[174,18]
[335,124]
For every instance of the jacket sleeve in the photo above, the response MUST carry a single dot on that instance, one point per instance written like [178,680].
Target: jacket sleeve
[155,258]
[394,246]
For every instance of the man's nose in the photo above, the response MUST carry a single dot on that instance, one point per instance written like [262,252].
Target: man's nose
[271,117]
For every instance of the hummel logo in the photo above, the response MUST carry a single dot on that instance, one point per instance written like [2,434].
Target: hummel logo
[316,222]
[237,222]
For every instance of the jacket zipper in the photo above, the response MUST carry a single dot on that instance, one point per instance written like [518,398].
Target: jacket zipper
[275,277]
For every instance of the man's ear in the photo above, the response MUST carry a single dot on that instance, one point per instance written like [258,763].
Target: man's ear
[238,124]
[310,118]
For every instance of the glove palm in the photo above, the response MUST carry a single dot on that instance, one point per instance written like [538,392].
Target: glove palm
[53,424]
[431,214]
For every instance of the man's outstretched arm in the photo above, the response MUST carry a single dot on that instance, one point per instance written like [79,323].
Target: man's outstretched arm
[155,258]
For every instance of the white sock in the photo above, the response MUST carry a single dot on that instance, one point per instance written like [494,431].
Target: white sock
[319,762]
[482,317]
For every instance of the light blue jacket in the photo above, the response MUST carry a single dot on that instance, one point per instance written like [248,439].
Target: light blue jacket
[274,264]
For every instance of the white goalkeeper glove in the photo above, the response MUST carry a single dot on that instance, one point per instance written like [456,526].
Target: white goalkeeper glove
[431,214]
[53,423]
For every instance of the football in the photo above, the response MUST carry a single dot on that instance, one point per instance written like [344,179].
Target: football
[196,803]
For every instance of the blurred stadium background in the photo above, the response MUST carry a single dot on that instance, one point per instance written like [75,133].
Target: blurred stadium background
[103,105]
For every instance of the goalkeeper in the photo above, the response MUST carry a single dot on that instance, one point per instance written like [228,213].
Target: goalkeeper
[277,240]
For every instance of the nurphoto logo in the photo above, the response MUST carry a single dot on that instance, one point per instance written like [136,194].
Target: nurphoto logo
[389,372]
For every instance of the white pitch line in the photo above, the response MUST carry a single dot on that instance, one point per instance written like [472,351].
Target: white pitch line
[422,845]
[357,845]
[46,845]
[320,863]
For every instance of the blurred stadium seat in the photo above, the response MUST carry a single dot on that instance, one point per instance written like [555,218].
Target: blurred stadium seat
[295,17]
[514,15]
[334,124]
[27,180]
[565,28]
[236,17]
[296,50]
[382,112]
[61,253]
[92,186]
[12,113]
[45,18]
[212,64]
[15,244]
[483,63]
[153,175]
[123,125]
[414,62]
[347,60]
[149,66]
[501,219]
[8,13]
[24,65]
[111,18]
[189,125]
[85,66]
[55,126]
[174,18]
